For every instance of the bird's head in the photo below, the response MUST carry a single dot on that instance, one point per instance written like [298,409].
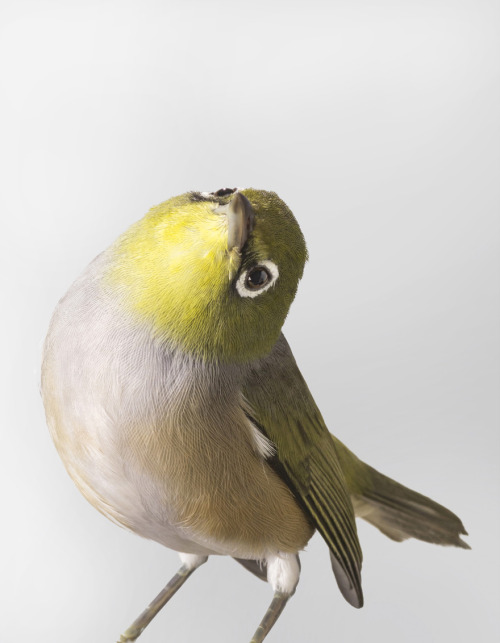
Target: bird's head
[212,273]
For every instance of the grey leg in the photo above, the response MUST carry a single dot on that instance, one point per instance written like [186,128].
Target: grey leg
[271,616]
[283,571]
[190,563]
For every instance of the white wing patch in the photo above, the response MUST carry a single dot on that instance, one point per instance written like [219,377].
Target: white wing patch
[263,445]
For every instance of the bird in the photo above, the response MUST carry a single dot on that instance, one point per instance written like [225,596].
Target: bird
[177,407]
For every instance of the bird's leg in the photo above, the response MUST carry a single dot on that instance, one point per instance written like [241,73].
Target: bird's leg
[190,562]
[283,574]
[270,617]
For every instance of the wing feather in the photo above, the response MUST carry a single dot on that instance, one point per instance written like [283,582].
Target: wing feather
[281,406]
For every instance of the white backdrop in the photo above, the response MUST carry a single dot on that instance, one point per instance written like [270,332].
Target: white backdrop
[378,124]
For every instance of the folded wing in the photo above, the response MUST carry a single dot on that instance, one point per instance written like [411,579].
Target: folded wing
[281,406]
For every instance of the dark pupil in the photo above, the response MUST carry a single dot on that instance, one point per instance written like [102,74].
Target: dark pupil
[257,278]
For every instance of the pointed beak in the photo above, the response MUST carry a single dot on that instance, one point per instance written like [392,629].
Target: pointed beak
[240,218]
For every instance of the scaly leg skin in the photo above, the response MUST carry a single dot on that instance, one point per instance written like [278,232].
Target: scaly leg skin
[271,616]
[190,563]
[283,575]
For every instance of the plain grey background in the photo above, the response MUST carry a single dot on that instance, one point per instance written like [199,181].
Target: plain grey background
[377,122]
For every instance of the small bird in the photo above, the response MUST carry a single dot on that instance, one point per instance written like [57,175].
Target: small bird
[180,413]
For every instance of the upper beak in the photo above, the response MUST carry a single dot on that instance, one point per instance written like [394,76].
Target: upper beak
[240,219]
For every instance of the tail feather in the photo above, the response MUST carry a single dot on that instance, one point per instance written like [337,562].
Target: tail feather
[398,512]
[401,513]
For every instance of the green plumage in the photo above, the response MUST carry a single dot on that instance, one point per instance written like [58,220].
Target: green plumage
[328,479]
[285,411]
[179,411]
[397,511]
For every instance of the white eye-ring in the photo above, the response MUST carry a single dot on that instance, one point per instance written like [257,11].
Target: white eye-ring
[257,279]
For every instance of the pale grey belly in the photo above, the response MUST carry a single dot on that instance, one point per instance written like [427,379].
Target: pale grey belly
[136,425]
[129,499]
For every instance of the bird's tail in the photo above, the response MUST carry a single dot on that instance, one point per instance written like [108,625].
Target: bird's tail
[397,511]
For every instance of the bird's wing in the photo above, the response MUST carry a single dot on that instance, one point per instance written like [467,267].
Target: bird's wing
[282,407]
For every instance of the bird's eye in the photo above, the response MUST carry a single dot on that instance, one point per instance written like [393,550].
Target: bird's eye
[257,279]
